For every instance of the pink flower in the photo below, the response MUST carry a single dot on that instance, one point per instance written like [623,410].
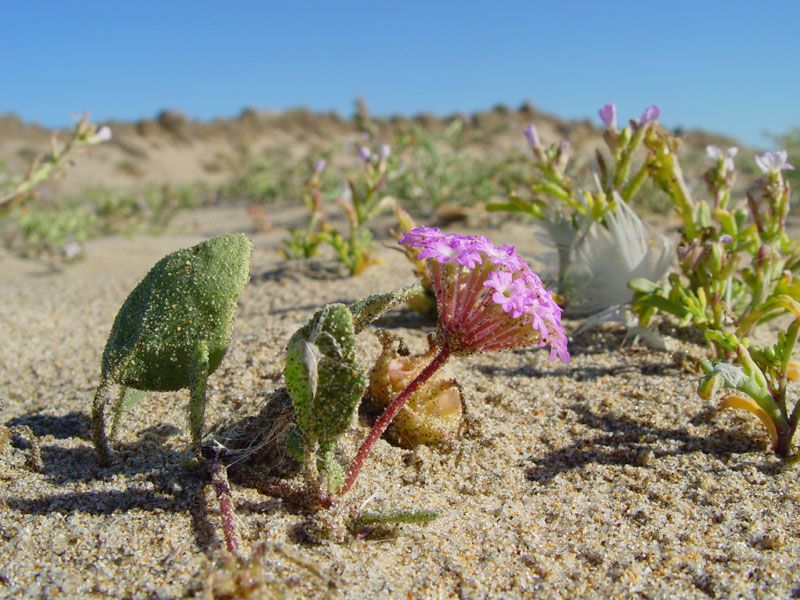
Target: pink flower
[650,114]
[608,114]
[101,135]
[488,297]
[772,162]
[532,136]
[716,153]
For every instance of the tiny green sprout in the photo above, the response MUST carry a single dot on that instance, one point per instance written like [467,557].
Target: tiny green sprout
[396,517]
[372,525]
[173,330]
[759,385]
[326,384]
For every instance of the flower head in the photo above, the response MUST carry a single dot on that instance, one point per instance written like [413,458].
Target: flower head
[772,162]
[650,114]
[320,165]
[608,115]
[532,136]
[488,297]
[716,153]
[101,135]
[385,151]
[364,153]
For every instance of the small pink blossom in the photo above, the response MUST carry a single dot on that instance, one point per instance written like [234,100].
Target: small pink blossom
[650,114]
[773,162]
[716,153]
[532,136]
[101,135]
[608,115]
[488,297]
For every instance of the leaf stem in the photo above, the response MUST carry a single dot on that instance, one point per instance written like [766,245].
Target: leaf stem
[219,478]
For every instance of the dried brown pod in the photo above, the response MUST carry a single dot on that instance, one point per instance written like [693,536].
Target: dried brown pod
[433,413]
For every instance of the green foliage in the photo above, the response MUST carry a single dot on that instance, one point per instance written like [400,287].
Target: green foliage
[269,178]
[325,384]
[364,201]
[367,310]
[737,264]
[761,378]
[174,328]
[45,227]
[601,242]
[433,172]
[397,517]
[304,242]
[13,191]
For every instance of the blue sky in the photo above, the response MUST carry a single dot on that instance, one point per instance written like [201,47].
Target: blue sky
[731,67]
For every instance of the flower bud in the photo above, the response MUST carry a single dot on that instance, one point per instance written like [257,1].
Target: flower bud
[608,114]
[708,387]
[650,114]
[532,136]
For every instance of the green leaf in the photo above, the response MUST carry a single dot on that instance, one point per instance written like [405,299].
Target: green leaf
[367,310]
[644,286]
[663,305]
[189,296]
[322,377]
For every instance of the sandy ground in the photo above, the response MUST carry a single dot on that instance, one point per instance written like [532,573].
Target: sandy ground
[606,477]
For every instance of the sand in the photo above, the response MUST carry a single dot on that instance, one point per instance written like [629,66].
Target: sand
[606,477]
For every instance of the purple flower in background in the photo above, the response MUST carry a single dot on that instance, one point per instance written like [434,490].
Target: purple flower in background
[320,165]
[364,153]
[650,114]
[385,151]
[488,297]
[101,135]
[608,115]
[532,136]
[716,153]
[773,162]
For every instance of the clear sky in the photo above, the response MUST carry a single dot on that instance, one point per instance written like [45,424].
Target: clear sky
[729,66]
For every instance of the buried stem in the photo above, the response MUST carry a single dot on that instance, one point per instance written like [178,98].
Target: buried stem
[387,417]
[219,477]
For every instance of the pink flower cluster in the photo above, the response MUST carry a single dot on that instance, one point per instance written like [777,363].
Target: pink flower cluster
[488,298]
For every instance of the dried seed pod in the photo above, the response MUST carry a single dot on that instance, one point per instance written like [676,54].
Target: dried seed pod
[433,413]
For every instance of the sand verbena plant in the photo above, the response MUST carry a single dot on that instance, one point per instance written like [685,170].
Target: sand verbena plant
[488,299]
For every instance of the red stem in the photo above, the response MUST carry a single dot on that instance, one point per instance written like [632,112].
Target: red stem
[219,478]
[389,414]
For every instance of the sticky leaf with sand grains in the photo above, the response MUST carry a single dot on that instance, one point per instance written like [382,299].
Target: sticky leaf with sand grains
[173,330]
